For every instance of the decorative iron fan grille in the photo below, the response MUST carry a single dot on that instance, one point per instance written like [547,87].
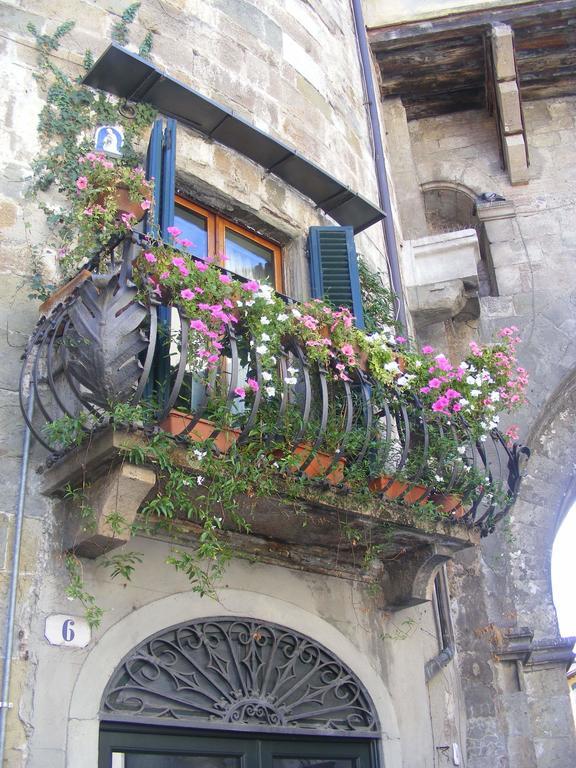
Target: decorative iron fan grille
[239,674]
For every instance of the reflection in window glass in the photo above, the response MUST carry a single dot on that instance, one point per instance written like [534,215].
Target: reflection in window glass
[249,259]
[194,228]
[139,760]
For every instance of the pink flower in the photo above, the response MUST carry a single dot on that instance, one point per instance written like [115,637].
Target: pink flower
[348,350]
[427,349]
[425,390]
[253,384]
[201,266]
[187,294]
[434,383]
[213,358]
[440,405]
[451,394]
[127,219]
[145,205]
[251,285]
[88,211]
[186,243]
[240,392]
[174,231]
[81,182]
[456,407]
[225,279]
[401,339]
[184,271]
[512,432]
[150,257]
[164,275]
[198,325]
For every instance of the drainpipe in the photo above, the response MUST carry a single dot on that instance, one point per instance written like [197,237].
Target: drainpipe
[5,705]
[379,162]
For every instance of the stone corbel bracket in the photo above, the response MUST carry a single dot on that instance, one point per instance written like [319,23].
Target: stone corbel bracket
[509,104]
[520,646]
[410,582]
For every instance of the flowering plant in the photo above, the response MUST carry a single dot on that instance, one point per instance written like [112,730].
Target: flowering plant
[471,393]
[111,197]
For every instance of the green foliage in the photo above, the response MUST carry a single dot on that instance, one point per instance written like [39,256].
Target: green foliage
[120,28]
[76,590]
[67,431]
[378,301]
[121,565]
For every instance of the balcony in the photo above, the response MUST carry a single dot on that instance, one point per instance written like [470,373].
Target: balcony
[100,349]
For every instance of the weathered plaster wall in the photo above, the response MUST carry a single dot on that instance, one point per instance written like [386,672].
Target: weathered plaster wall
[380,13]
[515,717]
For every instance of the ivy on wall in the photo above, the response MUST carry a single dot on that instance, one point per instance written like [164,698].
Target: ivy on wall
[66,129]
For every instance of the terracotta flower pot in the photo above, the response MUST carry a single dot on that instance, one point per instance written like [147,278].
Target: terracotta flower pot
[450,504]
[176,422]
[319,465]
[126,204]
[399,489]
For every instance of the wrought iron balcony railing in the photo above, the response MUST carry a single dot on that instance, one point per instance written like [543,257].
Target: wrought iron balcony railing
[99,344]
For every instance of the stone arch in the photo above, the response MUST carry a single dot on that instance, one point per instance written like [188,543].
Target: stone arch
[133,629]
[547,492]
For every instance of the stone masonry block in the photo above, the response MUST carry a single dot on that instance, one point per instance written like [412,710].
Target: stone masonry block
[503,50]
[515,153]
[509,102]
[119,493]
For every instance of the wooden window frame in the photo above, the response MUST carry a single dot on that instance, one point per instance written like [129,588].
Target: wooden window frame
[216,228]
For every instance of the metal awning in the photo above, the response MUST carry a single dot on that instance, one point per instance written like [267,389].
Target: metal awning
[128,76]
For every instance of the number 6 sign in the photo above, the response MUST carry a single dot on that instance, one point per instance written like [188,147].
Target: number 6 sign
[72,631]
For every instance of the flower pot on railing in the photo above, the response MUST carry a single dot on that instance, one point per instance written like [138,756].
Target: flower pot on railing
[320,464]
[176,422]
[127,204]
[399,489]
[450,504]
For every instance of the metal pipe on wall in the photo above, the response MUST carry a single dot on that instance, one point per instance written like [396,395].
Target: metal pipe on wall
[379,161]
[13,585]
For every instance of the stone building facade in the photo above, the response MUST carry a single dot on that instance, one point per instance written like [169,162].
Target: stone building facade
[495,693]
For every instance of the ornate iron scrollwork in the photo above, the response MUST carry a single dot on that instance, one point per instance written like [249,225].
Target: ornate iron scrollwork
[239,674]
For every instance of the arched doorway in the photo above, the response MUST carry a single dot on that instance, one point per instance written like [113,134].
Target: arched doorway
[228,692]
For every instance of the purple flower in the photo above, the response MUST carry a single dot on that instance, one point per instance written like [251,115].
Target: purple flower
[187,294]
[150,257]
[240,392]
[427,349]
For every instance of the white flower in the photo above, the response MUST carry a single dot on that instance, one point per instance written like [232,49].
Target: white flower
[264,321]
[266,376]
[495,396]
[464,366]
[290,379]
[265,337]
[483,438]
[199,479]
[261,349]
[291,370]
[475,392]
[282,317]
[239,303]
[402,381]
[438,478]
[270,391]
[470,380]
[199,454]
[463,401]
[417,363]
[461,449]
[249,303]
[296,313]
[392,366]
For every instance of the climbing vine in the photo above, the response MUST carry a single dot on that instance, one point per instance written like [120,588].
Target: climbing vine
[66,130]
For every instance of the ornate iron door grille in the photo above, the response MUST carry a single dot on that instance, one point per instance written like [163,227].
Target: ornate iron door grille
[242,675]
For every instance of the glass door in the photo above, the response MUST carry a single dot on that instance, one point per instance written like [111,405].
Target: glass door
[163,749]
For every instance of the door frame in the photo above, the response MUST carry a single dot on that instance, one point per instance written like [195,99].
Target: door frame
[252,749]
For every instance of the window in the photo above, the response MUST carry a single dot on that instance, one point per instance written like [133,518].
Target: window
[211,235]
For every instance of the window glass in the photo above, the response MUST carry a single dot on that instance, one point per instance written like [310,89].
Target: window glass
[142,760]
[194,227]
[248,258]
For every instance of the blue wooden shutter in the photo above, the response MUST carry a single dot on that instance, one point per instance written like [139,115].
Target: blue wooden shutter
[334,268]
[161,166]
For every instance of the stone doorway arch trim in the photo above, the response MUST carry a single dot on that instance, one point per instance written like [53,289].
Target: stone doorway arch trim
[130,631]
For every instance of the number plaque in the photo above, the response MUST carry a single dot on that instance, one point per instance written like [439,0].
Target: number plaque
[72,631]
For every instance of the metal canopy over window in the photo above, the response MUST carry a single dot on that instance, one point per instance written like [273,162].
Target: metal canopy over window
[130,77]
[239,674]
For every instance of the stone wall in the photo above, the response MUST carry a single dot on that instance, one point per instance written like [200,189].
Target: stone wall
[516,716]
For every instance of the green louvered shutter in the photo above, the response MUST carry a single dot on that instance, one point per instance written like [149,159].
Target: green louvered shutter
[334,268]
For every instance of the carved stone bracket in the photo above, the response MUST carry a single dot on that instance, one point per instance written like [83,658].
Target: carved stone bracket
[409,581]
[519,646]
[115,499]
